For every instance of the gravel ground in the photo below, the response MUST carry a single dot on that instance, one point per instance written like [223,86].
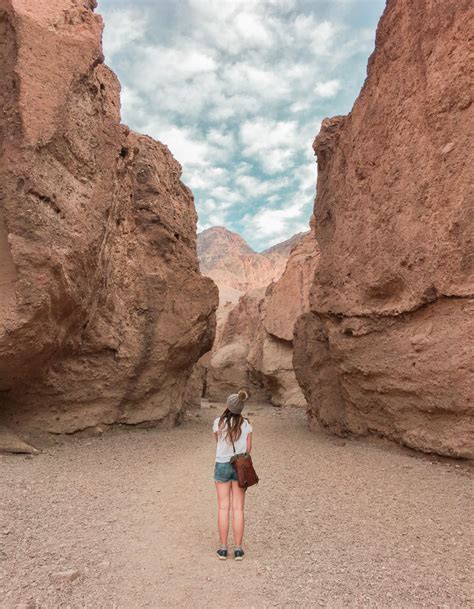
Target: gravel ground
[127,520]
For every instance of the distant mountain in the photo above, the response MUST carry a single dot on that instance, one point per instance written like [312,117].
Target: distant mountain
[217,242]
[235,267]
[284,248]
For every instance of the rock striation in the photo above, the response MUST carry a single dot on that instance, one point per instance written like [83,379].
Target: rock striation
[388,346]
[103,312]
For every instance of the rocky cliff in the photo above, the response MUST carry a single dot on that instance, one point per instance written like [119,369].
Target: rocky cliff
[103,312]
[253,346]
[237,357]
[228,367]
[271,355]
[388,346]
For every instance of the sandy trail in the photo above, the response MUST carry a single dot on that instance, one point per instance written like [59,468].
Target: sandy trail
[332,523]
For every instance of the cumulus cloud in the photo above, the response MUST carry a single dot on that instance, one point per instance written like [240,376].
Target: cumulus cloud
[328,89]
[124,27]
[273,144]
[273,225]
[237,90]
[254,187]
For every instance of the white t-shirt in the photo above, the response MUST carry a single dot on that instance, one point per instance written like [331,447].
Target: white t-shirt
[224,450]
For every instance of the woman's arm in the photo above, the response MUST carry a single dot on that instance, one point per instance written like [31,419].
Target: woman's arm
[249,443]
[215,435]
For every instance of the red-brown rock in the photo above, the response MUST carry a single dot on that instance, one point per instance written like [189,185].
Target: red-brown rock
[287,298]
[102,311]
[388,346]
[271,355]
[228,368]
[237,358]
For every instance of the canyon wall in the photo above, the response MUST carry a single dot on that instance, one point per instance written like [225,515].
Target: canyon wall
[103,312]
[228,367]
[242,276]
[388,346]
[254,341]
[270,358]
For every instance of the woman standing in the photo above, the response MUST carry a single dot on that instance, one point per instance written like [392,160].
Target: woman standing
[233,434]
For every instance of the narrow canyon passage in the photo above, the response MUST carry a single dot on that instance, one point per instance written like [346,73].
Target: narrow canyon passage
[333,523]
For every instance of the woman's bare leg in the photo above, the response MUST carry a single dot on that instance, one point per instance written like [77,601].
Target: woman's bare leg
[238,504]
[223,505]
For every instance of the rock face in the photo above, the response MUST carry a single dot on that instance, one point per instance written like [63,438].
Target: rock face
[254,345]
[227,258]
[103,312]
[271,356]
[388,346]
[283,249]
[197,387]
[237,357]
[228,368]
[287,298]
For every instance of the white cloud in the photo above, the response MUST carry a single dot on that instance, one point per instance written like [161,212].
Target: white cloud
[122,28]
[272,143]
[217,218]
[273,225]
[328,89]
[236,89]
[187,150]
[206,178]
[252,30]
[300,106]
[176,63]
[221,138]
[232,26]
[262,134]
[254,187]
[254,80]
[226,196]
[194,150]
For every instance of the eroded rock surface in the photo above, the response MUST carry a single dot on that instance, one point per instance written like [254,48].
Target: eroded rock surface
[388,346]
[254,341]
[228,368]
[237,358]
[103,312]
[271,355]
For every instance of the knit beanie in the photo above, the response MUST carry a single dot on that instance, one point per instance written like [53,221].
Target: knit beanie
[235,401]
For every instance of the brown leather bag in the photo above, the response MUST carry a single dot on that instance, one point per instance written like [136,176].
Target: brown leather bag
[246,474]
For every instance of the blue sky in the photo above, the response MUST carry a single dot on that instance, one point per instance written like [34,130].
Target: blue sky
[237,89]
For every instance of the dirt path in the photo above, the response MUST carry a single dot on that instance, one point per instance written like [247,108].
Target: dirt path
[332,524]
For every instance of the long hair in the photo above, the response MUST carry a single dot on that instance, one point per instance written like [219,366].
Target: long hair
[234,425]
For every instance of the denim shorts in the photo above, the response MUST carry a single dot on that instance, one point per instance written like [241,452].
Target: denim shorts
[224,472]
